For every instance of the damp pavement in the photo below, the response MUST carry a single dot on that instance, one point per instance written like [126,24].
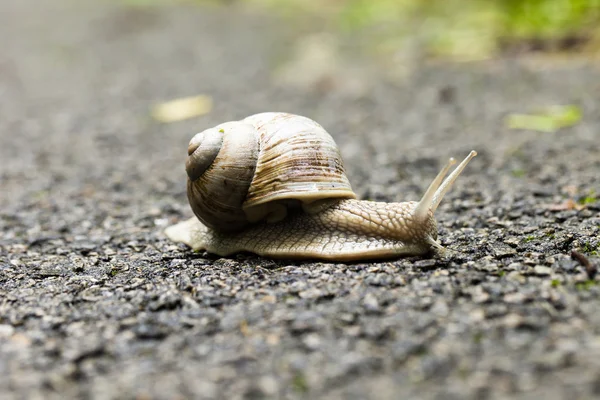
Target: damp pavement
[96,303]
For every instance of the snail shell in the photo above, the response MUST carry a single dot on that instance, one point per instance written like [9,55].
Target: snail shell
[245,171]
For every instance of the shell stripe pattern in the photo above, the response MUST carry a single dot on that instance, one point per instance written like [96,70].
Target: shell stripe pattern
[298,160]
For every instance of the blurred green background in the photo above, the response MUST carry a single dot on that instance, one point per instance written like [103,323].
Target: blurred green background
[460,30]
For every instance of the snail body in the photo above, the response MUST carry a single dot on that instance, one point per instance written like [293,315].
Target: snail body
[274,184]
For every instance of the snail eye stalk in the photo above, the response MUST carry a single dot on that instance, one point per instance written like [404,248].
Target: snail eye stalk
[439,187]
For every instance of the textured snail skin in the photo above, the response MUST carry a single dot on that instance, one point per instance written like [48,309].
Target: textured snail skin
[338,230]
[346,230]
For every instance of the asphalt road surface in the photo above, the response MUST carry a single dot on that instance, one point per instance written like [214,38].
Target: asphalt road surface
[96,303]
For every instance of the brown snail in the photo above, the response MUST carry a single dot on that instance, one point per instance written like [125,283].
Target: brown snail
[274,184]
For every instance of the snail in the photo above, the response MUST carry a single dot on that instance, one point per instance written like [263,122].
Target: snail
[274,184]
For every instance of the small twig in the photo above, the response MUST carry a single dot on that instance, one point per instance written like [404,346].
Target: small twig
[590,268]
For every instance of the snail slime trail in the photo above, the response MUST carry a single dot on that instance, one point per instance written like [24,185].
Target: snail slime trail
[287,196]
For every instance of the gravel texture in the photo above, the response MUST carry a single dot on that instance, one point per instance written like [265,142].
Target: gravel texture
[96,303]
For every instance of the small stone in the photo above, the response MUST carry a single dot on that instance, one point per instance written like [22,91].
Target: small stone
[399,281]
[307,321]
[297,287]
[20,341]
[512,241]
[531,260]
[16,262]
[269,299]
[371,303]
[150,331]
[378,280]
[346,317]
[515,214]
[312,341]
[496,310]
[513,320]
[268,385]
[425,263]
[402,350]
[477,315]
[478,295]
[552,360]
[352,331]
[184,283]
[6,330]
[440,308]
[49,269]
[503,251]
[311,293]
[516,277]
[567,264]
[513,266]
[542,270]
[488,267]
[166,301]
[514,298]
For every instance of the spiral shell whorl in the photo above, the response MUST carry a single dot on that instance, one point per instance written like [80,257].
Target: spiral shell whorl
[220,168]
[202,151]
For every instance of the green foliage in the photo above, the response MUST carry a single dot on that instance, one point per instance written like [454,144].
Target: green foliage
[550,119]
[590,249]
[518,173]
[548,18]
[299,383]
[590,198]
[586,285]
[462,29]
[456,29]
